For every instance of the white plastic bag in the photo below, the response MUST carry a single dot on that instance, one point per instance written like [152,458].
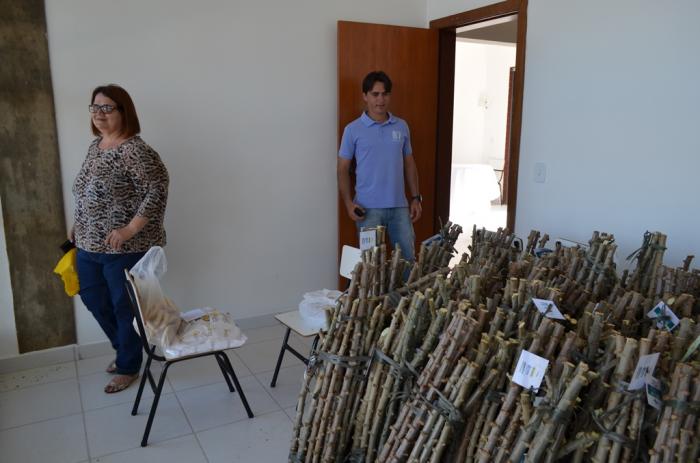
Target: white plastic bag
[161,317]
[315,303]
[179,334]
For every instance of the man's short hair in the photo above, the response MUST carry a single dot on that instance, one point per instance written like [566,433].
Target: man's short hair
[373,77]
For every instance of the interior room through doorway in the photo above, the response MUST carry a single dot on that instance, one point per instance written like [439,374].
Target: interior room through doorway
[484,67]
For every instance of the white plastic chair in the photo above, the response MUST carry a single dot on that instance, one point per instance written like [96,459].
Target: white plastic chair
[349,257]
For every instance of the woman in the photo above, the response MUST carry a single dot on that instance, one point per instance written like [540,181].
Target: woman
[120,196]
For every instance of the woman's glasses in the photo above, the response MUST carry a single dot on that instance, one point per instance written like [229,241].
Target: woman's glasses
[105,108]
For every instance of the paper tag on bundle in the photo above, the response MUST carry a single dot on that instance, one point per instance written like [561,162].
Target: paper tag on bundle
[653,386]
[195,314]
[662,310]
[529,372]
[645,366]
[368,239]
[548,308]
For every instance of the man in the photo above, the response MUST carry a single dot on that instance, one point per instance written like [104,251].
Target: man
[381,145]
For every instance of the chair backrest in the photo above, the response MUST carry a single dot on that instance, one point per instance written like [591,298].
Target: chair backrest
[132,291]
[348,259]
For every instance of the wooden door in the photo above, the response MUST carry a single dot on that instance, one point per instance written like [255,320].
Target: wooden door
[409,56]
[509,121]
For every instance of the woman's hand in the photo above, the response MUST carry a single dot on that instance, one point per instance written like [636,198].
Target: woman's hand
[118,237]
[71,234]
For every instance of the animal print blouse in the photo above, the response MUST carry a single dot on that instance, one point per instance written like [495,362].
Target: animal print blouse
[112,187]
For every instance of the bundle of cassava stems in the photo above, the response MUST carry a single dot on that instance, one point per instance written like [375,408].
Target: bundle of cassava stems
[421,370]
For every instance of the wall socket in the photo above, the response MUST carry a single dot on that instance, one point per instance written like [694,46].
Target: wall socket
[540,172]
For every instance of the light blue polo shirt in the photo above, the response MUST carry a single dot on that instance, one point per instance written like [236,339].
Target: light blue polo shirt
[378,148]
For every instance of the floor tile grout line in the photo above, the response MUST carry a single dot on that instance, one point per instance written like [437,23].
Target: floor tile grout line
[173,391]
[213,382]
[238,421]
[268,393]
[273,397]
[154,442]
[116,452]
[29,386]
[189,423]
[82,412]
[25,370]
[243,362]
[131,401]
[10,428]
[273,368]
[35,385]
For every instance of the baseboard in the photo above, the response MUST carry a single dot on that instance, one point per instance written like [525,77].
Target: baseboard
[260,321]
[93,349]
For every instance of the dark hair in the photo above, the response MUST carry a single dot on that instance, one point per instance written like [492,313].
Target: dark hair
[130,121]
[373,77]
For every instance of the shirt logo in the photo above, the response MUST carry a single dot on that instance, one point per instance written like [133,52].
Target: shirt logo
[396,135]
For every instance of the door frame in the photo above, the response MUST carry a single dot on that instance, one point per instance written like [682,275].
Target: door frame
[447,27]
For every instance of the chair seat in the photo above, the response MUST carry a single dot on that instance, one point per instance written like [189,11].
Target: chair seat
[214,331]
[300,325]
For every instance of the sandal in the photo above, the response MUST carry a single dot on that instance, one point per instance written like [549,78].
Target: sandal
[120,382]
[112,367]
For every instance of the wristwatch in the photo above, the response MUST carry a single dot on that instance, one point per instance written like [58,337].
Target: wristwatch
[418,197]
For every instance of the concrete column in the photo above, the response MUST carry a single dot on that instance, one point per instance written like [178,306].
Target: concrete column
[30,179]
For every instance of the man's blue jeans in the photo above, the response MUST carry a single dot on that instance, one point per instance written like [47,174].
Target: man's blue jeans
[103,291]
[397,220]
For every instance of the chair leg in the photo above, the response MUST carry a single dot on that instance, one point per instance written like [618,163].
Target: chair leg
[223,367]
[152,382]
[150,376]
[142,383]
[279,359]
[154,406]
[146,374]
[238,386]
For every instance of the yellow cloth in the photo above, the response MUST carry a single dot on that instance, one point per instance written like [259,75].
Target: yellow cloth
[68,270]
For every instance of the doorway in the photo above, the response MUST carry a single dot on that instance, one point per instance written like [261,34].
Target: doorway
[423,61]
[510,14]
[485,55]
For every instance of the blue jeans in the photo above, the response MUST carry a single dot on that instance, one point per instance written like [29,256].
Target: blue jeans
[103,291]
[397,221]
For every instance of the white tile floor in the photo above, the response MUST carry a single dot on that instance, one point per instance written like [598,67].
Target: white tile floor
[59,413]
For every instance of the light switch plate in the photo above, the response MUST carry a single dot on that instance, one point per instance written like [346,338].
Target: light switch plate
[540,172]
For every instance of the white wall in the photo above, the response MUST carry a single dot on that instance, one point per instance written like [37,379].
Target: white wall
[468,116]
[8,331]
[611,107]
[441,8]
[499,60]
[481,102]
[239,98]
